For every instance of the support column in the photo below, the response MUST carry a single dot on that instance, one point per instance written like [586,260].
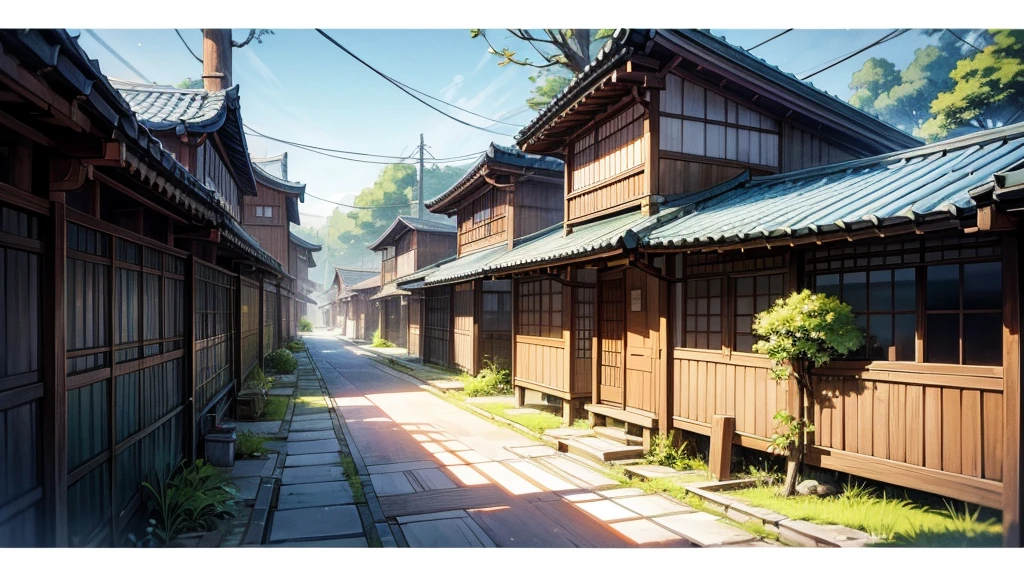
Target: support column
[720,459]
[55,427]
[1012,421]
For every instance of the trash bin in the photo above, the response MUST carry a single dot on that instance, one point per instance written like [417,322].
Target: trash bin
[220,447]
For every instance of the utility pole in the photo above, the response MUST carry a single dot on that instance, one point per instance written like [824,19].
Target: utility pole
[419,200]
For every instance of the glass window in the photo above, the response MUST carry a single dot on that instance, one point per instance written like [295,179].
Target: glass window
[884,302]
[704,313]
[540,308]
[964,314]
[754,294]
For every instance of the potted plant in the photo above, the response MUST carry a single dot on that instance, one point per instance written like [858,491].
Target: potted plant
[252,399]
[187,507]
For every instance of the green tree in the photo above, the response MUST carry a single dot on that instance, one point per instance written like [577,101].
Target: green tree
[190,84]
[563,53]
[875,78]
[987,91]
[800,333]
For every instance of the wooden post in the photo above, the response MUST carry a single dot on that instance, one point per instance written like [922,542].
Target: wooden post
[478,349]
[665,307]
[595,352]
[568,317]
[1012,456]
[262,311]
[190,358]
[720,459]
[55,425]
[237,344]
[794,395]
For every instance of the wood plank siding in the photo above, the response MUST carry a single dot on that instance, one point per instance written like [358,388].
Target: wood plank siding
[482,221]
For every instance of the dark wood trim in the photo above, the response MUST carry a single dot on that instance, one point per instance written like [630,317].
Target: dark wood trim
[669,155]
[129,441]
[22,199]
[88,466]
[626,415]
[21,243]
[127,191]
[623,207]
[80,380]
[743,439]
[1012,454]
[541,387]
[639,168]
[123,233]
[666,302]
[12,508]
[976,490]
[191,435]
[55,457]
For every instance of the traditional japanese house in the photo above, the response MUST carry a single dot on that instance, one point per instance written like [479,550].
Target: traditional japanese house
[406,246]
[300,260]
[703,184]
[344,280]
[658,115]
[362,313]
[126,321]
[506,195]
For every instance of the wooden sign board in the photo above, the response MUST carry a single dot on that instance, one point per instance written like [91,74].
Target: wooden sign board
[636,300]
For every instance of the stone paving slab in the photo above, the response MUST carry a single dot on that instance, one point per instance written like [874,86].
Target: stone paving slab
[391,483]
[313,495]
[432,479]
[322,522]
[359,542]
[254,467]
[607,510]
[652,505]
[578,473]
[247,487]
[619,492]
[651,471]
[704,529]
[318,459]
[281,392]
[324,415]
[284,379]
[311,474]
[533,451]
[400,466]
[645,532]
[312,447]
[311,425]
[316,435]
[446,533]
[568,432]
[539,476]
[432,516]
[307,410]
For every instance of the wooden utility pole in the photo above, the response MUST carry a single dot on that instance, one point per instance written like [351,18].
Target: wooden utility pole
[419,199]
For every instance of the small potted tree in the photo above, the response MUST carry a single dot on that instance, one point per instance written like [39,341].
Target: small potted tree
[799,333]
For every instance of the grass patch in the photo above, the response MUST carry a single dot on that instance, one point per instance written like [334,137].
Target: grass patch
[538,423]
[895,521]
[394,364]
[379,342]
[581,424]
[664,452]
[249,444]
[274,408]
[491,381]
[348,464]
[311,402]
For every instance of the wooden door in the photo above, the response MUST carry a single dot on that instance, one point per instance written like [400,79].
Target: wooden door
[611,338]
[642,325]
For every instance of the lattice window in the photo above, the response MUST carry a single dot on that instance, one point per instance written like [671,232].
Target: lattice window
[704,313]
[754,294]
[540,308]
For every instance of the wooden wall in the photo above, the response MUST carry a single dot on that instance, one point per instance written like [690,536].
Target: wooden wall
[542,358]
[804,149]
[271,319]
[213,171]
[432,247]
[537,204]
[415,311]
[437,325]
[482,221]
[271,233]
[607,166]
[464,327]
[249,298]
[396,320]
[495,319]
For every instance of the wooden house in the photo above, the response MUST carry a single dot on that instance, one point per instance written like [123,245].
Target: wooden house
[703,184]
[362,316]
[300,260]
[341,287]
[131,288]
[466,317]
[406,246]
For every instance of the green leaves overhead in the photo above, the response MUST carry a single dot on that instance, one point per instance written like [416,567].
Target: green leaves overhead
[805,328]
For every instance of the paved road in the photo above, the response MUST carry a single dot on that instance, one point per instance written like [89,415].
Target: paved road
[450,478]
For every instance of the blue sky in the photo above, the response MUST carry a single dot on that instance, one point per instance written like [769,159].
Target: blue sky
[297,86]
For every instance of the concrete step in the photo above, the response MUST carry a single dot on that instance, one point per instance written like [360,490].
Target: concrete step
[599,449]
[617,435]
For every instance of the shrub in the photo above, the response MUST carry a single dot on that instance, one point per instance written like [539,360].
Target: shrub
[295,346]
[282,361]
[664,452]
[192,500]
[258,381]
[379,342]
[249,445]
[305,325]
[491,381]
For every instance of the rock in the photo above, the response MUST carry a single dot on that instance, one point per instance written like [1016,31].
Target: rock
[826,489]
[807,487]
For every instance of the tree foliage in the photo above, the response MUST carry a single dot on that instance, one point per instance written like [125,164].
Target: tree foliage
[346,233]
[987,88]
[805,329]
[563,52]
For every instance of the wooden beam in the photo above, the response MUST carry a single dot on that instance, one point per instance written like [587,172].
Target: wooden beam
[55,434]
[1013,457]
[720,457]
[991,220]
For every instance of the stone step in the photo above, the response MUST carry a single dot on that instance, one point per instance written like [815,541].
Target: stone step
[617,435]
[599,449]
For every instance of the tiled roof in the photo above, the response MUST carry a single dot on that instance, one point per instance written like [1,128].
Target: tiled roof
[390,289]
[182,110]
[625,42]
[352,276]
[464,267]
[304,243]
[497,154]
[405,223]
[274,165]
[912,187]
[368,284]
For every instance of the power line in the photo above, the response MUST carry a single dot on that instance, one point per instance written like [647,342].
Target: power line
[894,34]
[118,56]
[312,147]
[962,40]
[187,47]
[406,205]
[399,85]
[770,39]
[458,108]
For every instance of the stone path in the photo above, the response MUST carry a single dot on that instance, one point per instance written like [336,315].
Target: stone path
[315,503]
[443,477]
